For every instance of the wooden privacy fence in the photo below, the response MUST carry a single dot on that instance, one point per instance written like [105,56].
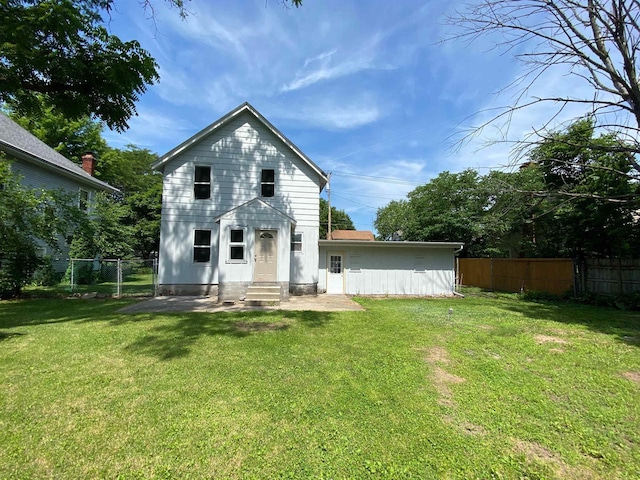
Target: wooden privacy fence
[609,275]
[552,275]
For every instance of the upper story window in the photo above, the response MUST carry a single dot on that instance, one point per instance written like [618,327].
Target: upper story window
[202,182]
[83,200]
[202,246]
[268,183]
[296,242]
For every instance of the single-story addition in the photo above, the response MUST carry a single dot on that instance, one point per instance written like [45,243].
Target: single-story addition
[361,267]
[241,218]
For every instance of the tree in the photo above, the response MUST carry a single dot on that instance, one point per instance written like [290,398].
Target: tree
[595,41]
[340,220]
[105,234]
[60,49]
[587,182]
[392,220]
[72,138]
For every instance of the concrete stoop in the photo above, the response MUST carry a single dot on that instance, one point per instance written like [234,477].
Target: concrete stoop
[262,295]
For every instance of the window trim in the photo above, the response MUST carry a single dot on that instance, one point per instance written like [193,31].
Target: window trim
[201,246]
[264,183]
[242,244]
[200,183]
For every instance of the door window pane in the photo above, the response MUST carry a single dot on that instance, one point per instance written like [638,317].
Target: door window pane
[335,264]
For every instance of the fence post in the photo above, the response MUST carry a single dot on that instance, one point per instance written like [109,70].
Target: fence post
[71,286]
[155,277]
[119,278]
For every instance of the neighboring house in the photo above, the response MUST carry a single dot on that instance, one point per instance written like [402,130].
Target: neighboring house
[364,235]
[241,207]
[40,167]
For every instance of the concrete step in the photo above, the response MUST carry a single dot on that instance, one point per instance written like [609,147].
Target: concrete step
[262,295]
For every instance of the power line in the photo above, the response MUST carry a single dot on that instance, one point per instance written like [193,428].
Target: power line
[377,179]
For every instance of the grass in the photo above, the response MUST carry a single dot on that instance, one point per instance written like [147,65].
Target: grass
[501,388]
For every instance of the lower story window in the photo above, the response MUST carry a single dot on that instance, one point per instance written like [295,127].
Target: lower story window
[296,242]
[236,244]
[202,246]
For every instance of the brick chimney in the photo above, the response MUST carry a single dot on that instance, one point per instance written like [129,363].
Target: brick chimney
[89,163]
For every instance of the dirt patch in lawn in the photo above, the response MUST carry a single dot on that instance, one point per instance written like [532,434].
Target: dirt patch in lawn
[540,339]
[466,427]
[252,327]
[633,376]
[435,355]
[534,452]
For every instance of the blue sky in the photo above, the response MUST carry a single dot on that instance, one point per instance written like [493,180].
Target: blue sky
[366,89]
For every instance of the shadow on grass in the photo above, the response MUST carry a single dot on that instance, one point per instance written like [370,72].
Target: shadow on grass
[176,338]
[623,325]
[18,313]
[164,335]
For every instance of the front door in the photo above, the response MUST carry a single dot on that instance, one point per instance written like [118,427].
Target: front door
[266,268]
[335,271]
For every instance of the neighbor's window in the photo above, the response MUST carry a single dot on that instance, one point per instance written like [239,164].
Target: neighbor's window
[83,200]
[202,246]
[268,183]
[202,182]
[296,242]
[236,244]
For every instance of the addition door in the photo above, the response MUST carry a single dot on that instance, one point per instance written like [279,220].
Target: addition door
[266,267]
[335,272]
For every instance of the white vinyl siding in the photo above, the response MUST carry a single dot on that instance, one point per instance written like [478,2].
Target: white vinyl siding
[392,270]
[238,153]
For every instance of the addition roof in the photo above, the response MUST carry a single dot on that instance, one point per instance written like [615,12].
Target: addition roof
[365,235]
[245,107]
[19,143]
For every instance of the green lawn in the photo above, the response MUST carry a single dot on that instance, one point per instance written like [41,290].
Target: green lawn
[501,388]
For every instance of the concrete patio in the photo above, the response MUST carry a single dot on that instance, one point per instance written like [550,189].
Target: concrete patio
[319,303]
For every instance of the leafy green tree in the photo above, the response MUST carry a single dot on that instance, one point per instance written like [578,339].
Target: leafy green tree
[586,180]
[72,138]
[105,234]
[61,49]
[392,221]
[340,220]
[29,219]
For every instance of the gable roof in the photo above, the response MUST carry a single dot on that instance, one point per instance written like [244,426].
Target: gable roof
[253,202]
[19,143]
[365,235]
[245,107]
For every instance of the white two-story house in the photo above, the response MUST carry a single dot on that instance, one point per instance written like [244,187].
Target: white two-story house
[240,206]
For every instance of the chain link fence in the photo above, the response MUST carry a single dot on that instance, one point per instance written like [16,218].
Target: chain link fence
[113,277]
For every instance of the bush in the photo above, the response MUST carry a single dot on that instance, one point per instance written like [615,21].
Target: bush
[45,275]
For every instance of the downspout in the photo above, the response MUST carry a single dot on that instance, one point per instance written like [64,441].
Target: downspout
[455,254]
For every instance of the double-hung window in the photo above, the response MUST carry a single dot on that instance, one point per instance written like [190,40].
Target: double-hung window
[202,182]
[296,242]
[83,200]
[202,246]
[237,244]
[268,183]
